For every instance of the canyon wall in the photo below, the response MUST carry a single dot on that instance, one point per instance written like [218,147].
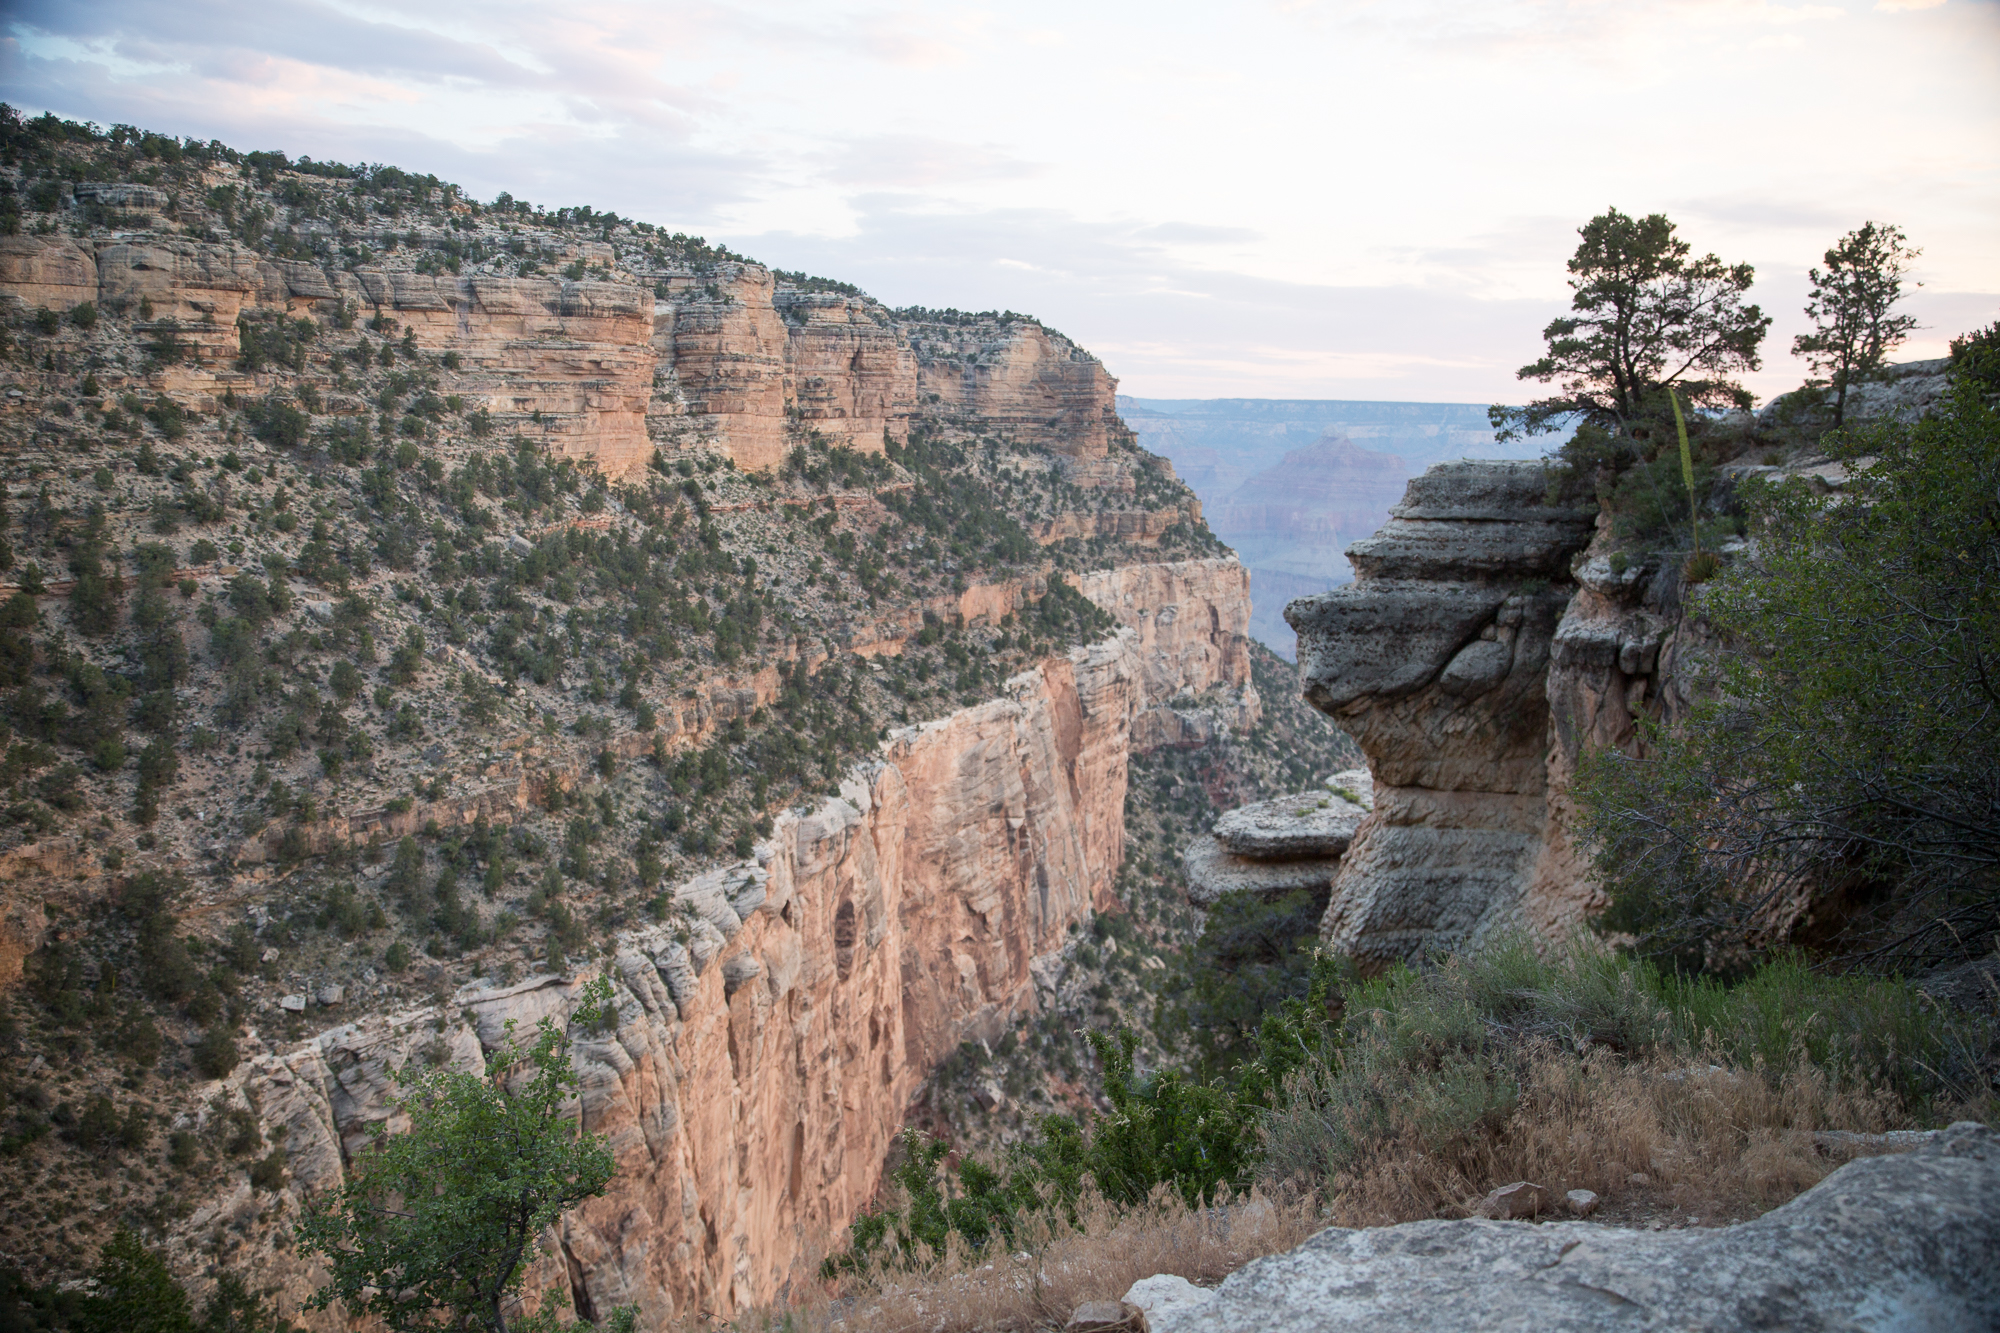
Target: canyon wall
[1436,661]
[772,1032]
[613,365]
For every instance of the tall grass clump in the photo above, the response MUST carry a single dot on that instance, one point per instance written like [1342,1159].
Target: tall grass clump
[1583,1068]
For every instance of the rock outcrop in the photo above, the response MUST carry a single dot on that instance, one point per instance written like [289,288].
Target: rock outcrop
[1272,847]
[1888,1243]
[1436,661]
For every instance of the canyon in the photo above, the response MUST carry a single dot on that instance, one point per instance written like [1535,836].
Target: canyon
[777,1012]
[1290,483]
[765,1051]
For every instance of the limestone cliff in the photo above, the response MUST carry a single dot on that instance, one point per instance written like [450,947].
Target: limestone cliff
[1435,660]
[636,355]
[772,1032]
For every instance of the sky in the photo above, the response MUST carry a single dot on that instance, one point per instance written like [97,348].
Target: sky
[1364,199]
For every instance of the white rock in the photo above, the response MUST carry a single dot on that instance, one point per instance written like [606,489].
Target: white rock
[1164,1295]
[1581,1202]
[292,1004]
[1893,1242]
[330,996]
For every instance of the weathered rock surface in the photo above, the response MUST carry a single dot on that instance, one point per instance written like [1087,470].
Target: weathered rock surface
[607,369]
[1213,870]
[1311,824]
[1436,662]
[1273,847]
[1900,1242]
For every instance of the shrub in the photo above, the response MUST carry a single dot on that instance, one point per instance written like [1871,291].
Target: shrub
[1840,763]
[215,1055]
[1458,1066]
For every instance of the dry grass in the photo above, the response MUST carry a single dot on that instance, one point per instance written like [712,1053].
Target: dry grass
[1719,1143]
[1052,1268]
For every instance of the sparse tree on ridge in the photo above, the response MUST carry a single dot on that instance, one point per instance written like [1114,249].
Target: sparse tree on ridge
[1645,316]
[1853,330]
[437,1226]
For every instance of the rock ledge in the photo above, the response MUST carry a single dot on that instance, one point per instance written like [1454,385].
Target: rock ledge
[1896,1242]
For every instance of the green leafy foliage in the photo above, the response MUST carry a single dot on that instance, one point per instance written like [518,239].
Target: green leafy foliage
[437,1226]
[1853,329]
[1646,316]
[1849,750]
[1164,1130]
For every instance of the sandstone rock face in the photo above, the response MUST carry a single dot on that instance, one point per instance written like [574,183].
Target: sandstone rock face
[1192,621]
[1889,1243]
[603,368]
[1029,381]
[853,377]
[1213,870]
[773,1031]
[1289,827]
[1435,660]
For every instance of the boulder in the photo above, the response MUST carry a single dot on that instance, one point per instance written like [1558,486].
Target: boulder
[1165,1294]
[1520,1199]
[1581,1202]
[1311,824]
[1213,870]
[1896,1242]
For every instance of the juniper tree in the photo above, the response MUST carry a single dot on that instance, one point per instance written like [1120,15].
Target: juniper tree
[1853,330]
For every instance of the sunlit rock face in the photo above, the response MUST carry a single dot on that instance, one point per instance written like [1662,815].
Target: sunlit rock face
[607,368]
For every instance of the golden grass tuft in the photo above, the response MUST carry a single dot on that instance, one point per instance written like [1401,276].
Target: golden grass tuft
[1710,1141]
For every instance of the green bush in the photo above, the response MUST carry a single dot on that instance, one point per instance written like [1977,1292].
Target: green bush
[215,1055]
[1166,1129]
[1845,754]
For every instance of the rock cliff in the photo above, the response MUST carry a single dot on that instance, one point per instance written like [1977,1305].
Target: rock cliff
[1435,660]
[772,1032]
[636,355]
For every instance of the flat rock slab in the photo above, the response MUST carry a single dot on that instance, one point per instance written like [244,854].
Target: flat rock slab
[1317,823]
[1213,870]
[1884,1243]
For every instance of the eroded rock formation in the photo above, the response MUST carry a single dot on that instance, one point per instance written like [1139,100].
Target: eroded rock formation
[772,1032]
[1436,661]
[614,364]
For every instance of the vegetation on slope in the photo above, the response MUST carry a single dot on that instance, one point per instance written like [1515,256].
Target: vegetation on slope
[348,594]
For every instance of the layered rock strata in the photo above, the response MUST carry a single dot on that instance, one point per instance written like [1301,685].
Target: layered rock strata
[1272,847]
[611,366]
[773,1031]
[1436,661]
[1899,1242]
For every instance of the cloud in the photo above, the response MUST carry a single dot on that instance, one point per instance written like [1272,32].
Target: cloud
[910,161]
[1363,198]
